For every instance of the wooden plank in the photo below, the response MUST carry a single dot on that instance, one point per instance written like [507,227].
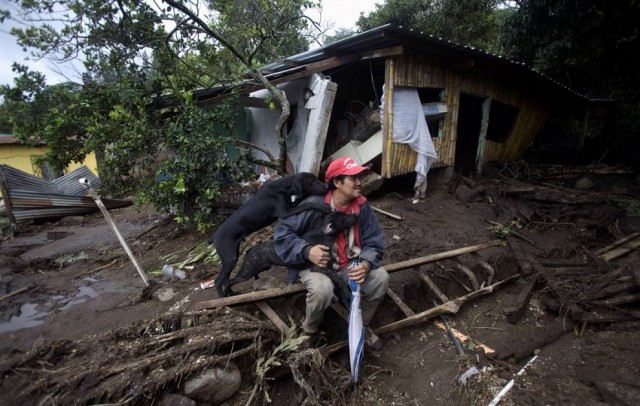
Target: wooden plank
[441,255]
[401,304]
[621,251]
[617,243]
[383,53]
[434,288]
[273,316]
[463,337]
[386,213]
[250,297]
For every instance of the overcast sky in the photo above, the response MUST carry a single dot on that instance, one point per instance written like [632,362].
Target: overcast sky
[343,13]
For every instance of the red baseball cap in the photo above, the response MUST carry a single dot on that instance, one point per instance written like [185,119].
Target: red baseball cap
[343,166]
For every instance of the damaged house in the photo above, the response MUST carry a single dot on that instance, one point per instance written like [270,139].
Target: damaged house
[449,106]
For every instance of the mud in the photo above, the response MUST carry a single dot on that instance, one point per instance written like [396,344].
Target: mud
[80,309]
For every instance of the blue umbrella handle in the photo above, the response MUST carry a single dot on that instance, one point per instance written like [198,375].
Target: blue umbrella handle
[355,287]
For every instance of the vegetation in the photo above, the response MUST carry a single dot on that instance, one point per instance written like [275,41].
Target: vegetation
[135,106]
[466,22]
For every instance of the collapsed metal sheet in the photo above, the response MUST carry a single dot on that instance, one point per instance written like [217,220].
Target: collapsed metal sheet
[28,197]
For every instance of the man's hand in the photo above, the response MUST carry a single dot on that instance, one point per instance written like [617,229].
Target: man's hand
[358,273]
[319,255]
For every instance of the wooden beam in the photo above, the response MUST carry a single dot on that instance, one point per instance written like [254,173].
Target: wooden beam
[441,255]
[622,250]
[307,71]
[434,288]
[386,213]
[250,297]
[316,67]
[401,304]
[273,316]
[384,53]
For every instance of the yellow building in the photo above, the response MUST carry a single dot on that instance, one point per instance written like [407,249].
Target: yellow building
[15,154]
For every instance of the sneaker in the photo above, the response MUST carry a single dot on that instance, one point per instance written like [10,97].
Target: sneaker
[371,341]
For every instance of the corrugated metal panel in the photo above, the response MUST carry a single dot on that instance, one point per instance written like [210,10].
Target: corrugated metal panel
[29,197]
[70,184]
[22,215]
[413,42]
[20,180]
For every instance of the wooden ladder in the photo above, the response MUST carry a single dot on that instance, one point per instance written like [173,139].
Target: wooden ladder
[447,306]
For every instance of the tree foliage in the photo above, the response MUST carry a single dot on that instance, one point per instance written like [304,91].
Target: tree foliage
[466,22]
[589,45]
[134,54]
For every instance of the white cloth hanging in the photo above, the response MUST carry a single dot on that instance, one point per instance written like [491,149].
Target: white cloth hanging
[410,127]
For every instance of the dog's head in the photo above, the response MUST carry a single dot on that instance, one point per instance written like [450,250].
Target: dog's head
[336,221]
[306,184]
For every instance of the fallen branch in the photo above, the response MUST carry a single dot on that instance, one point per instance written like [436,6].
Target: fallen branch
[619,300]
[617,243]
[105,266]
[15,292]
[619,252]
[386,213]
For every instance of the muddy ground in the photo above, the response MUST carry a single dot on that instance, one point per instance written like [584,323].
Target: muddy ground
[78,326]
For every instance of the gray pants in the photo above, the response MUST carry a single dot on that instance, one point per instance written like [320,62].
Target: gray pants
[320,293]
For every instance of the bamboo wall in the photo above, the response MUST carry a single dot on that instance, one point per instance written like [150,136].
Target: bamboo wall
[431,72]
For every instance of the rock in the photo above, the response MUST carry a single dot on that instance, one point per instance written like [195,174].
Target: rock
[71,221]
[164,294]
[173,399]
[214,385]
[468,195]
[584,183]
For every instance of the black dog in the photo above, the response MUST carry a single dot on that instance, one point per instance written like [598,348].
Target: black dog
[323,231]
[273,200]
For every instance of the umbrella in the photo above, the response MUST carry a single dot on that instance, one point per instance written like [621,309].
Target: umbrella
[356,331]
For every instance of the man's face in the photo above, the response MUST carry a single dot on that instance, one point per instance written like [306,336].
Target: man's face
[350,187]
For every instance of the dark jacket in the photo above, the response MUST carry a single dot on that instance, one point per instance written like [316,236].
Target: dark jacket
[294,251]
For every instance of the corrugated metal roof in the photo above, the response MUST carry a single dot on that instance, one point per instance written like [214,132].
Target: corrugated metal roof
[388,36]
[9,139]
[31,197]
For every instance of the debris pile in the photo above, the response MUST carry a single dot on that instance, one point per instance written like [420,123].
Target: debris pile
[142,361]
